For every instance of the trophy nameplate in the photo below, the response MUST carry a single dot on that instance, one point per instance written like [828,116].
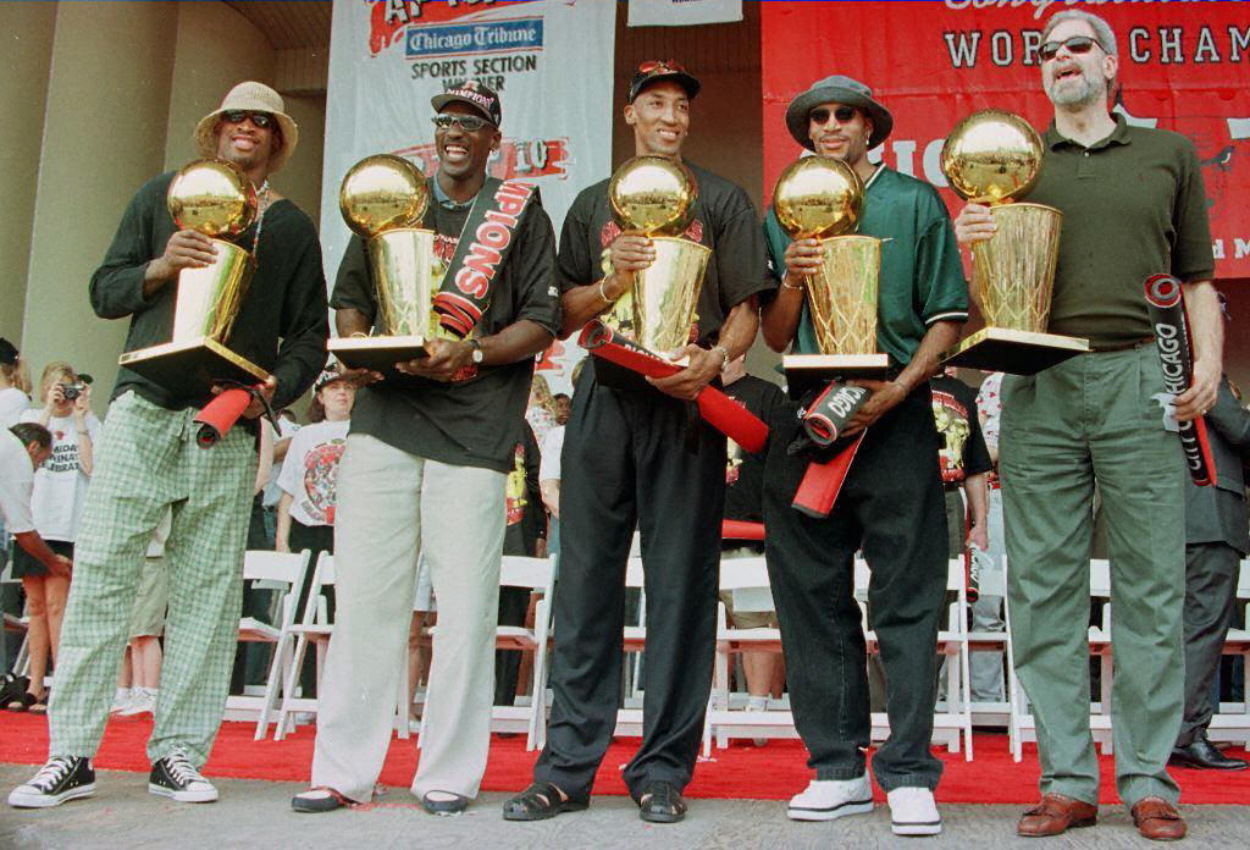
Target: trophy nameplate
[377,353]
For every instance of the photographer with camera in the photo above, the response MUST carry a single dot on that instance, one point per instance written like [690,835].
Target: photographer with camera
[56,504]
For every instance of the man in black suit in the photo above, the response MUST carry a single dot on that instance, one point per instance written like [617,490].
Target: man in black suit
[1216,539]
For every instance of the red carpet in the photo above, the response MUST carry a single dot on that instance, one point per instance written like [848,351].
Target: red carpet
[773,772]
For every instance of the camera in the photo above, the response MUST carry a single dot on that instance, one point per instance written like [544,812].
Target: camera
[72,391]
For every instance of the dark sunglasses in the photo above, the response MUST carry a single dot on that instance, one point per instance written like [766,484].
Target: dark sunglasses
[844,114]
[1075,44]
[468,123]
[263,120]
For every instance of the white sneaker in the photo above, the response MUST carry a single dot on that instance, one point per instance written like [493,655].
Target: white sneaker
[143,702]
[829,799]
[913,812]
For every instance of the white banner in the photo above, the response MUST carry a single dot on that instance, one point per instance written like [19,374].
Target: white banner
[549,60]
[683,13]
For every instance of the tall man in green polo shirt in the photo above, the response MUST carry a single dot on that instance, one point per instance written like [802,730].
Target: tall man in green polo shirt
[891,503]
[1133,205]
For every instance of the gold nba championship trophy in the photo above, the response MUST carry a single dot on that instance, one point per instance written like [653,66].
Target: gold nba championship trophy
[819,197]
[994,157]
[654,196]
[217,199]
[383,199]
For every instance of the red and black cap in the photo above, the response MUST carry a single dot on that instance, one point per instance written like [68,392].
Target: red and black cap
[657,71]
[476,95]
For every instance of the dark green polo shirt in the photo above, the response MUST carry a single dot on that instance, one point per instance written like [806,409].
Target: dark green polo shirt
[1133,206]
[921,279]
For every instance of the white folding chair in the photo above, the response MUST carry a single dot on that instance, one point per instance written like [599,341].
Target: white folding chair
[283,572]
[536,575]
[1231,721]
[747,580]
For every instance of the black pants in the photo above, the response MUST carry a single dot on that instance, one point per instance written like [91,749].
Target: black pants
[628,459]
[1210,597]
[892,505]
[514,604]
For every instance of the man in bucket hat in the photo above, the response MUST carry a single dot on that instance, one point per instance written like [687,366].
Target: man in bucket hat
[891,503]
[148,460]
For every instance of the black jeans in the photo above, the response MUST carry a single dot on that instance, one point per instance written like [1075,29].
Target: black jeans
[892,505]
[629,459]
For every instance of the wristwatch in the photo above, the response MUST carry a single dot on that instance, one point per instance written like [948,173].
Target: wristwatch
[478,355]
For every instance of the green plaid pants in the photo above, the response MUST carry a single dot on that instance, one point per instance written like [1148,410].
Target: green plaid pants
[148,459]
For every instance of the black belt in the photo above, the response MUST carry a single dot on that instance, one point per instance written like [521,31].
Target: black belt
[1123,346]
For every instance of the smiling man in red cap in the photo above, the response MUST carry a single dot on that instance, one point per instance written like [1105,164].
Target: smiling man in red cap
[148,460]
[635,458]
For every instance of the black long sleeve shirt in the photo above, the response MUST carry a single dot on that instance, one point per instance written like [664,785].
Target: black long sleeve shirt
[281,327]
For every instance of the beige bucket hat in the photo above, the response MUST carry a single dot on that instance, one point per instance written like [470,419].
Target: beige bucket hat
[253,97]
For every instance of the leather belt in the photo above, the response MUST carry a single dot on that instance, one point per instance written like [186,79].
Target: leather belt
[1123,346]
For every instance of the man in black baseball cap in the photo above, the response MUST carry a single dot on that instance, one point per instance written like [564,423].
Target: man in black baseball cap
[633,457]
[476,95]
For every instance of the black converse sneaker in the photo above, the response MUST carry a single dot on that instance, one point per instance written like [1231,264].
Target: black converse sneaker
[174,776]
[62,778]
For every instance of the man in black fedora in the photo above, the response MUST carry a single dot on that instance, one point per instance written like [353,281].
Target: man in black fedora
[891,504]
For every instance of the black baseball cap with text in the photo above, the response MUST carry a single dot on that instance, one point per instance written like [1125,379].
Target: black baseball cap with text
[474,94]
[658,71]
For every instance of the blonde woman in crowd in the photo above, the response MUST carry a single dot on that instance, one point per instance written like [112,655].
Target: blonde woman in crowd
[56,503]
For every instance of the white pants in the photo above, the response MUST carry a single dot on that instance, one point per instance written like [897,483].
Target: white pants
[390,505]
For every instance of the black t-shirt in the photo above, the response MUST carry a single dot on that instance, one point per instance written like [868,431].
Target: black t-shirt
[744,472]
[963,451]
[472,422]
[285,298]
[527,518]
[724,220]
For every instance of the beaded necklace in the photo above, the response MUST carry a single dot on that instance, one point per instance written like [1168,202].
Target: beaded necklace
[263,203]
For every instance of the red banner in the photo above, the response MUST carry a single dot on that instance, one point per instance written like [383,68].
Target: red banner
[1183,67]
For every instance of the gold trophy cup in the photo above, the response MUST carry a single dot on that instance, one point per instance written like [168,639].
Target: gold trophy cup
[654,196]
[994,157]
[382,198]
[819,197]
[217,199]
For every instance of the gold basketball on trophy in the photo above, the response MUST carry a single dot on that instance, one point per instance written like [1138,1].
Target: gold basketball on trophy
[992,156]
[213,197]
[653,196]
[383,192]
[818,197]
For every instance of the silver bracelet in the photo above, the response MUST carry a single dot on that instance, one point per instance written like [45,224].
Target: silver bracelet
[603,292]
[785,285]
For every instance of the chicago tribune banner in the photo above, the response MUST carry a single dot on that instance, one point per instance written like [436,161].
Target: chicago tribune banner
[549,60]
[1183,67]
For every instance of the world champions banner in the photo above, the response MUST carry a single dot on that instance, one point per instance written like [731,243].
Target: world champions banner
[1184,66]
[549,60]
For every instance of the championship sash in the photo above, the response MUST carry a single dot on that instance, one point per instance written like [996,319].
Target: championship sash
[489,234]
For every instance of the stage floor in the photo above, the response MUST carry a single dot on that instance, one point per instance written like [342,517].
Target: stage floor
[256,813]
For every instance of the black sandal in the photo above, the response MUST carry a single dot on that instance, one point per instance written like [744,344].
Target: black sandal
[41,704]
[13,686]
[23,702]
[454,806]
[540,801]
[661,802]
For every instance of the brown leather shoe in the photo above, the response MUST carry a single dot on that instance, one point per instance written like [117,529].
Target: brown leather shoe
[1055,815]
[1158,820]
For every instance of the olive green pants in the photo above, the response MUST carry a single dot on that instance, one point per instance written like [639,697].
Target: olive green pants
[1094,418]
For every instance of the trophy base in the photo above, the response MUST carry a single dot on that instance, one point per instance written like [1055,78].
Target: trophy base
[1013,352]
[377,353]
[191,367]
[804,370]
